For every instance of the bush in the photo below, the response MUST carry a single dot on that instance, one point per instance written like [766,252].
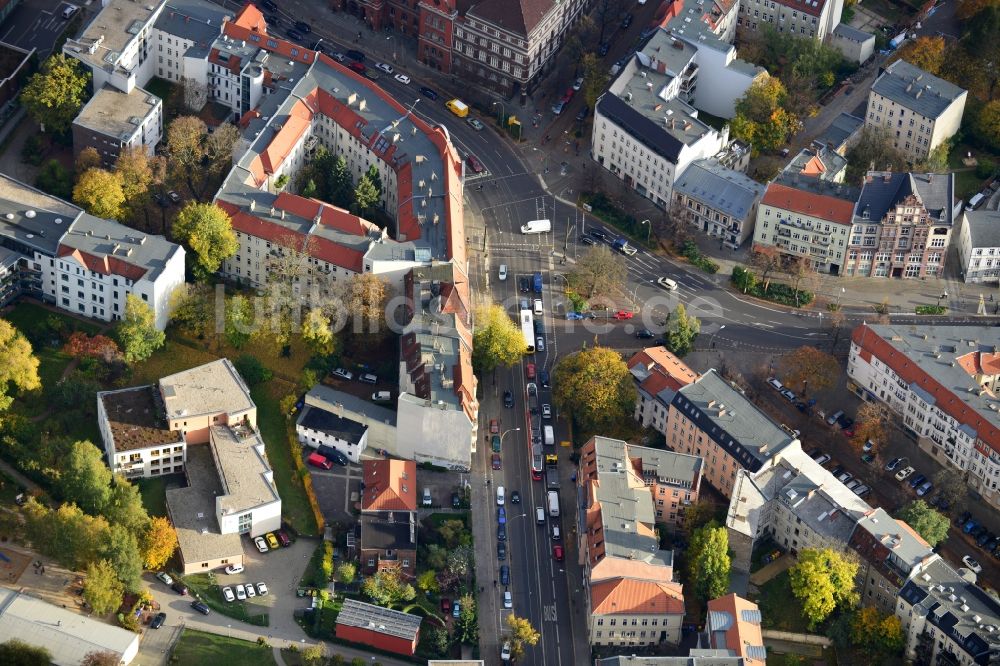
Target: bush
[776,292]
[33,151]
[578,301]
[690,251]
[307,484]
[985,167]
[931,309]
[603,208]
[252,370]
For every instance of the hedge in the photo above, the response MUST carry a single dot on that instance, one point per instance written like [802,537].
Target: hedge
[603,208]
[691,252]
[776,292]
[303,471]
[931,309]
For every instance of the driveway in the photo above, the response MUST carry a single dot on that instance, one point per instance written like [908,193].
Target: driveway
[337,490]
[37,24]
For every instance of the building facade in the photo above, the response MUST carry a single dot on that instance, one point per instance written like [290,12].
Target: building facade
[806,19]
[733,624]
[918,110]
[718,202]
[979,246]
[384,628]
[902,225]
[103,125]
[317,428]
[942,381]
[855,45]
[658,375]
[711,419]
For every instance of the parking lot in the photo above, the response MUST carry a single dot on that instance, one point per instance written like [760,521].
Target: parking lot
[37,24]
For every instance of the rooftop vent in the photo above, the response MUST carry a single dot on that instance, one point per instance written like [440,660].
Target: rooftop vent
[30,214]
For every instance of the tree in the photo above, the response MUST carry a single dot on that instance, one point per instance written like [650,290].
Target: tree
[988,124]
[761,117]
[708,561]
[100,193]
[598,272]
[18,653]
[460,561]
[595,386]
[125,506]
[219,147]
[437,557]
[314,654]
[981,43]
[427,582]
[497,341]
[743,279]
[766,259]
[376,180]
[67,535]
[681,331]
[823,579]
[81,345]
[454,533]
[927,53]
[136,332]
[192,309]
[317,334]
[874,150]
[928,523]
[365,194]
[698,515]
[595,78]
[208,231]
[101,658]
[101,589]
[86,480]
[239,321]
[55,179]
[467,627]
[800,269]
[88,159]
[951,485]
[252,370]
[386,588]
[159,541]
[876,634]
[136,173]
[346,571]
[521,634]
[808,367]
[121,551]
[366,300]
[54,95]
[869,425]
[435,640]
[185,148]
[19,370]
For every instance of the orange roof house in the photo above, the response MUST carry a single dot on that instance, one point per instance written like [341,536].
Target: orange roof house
[390,485]
[733,624]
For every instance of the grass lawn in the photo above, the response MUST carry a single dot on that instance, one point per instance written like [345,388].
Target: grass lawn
[205,587]
[273,427]
[967,183]
[172,357]
[780,609]
[160,87]
[154,494]
[199,648]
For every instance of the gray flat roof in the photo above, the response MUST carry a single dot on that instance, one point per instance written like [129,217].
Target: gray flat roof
[731,420]
[722,189]
[328,399]
[116,114]
[356,613]
[197,21]
[212,388]
[192,511]
[853,34]
[840,131]
[109,32]
[669,467]
[695,657]
[912,87]
[388,530]
[243,469]
[984,227]
[31,219]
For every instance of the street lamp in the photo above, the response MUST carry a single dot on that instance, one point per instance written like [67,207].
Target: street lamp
[503,110]
[712,341]
[649,229]
[842,292]
[505,432]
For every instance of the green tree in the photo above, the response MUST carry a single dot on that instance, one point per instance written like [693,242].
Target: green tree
[252,370]
[136,333]
[207,231]
[192,309]
[67,534]
[454,533]
[427,582]
[497,341]
[54,95]
[86,480]
[101,589]
[121,551]
[239,321]
[19,370]
[595,386]
[435,641]
[698,515]
[365,195]
[876,634]
[314,654]
[437,557]
[874,147]
[125,506]
[988,124]
[761,117]
[316,332]
[743,279]
[682,329]
[708,561]
[809,368]
[521,634]
[467,627]
[822,580]
[55,179]
[100,193]
[928,523]
[599,272]
[386,588]
[18,653]
[346,572]
[595,78]
[376,180]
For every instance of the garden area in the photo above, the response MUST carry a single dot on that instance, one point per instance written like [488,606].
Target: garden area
[207,588]
[748,283]
[199,647]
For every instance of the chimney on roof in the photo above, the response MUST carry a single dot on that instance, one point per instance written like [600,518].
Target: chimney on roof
[253,205]
[282,213]
[919,93]
[272,210]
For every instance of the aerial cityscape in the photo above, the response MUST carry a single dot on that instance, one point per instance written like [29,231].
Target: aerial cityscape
[489,332]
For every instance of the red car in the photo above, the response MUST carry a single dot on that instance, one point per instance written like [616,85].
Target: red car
[473,162]
[496,461]
[557,552]
[446,605]
[568,96]
[536,475]
[357,67]
[494,426]
[530,369]
[624,314]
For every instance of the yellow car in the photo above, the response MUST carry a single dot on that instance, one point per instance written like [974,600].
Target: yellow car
[272,540]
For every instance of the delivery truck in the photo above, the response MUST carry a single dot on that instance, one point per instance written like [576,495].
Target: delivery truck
[553,504]
[537,227]
[458,107]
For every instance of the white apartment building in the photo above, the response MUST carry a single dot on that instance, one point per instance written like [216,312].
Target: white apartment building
[807,19]
[803,216]
[918,110]
[979,246]
[324,430]
[942,382]
[719,202]
[137,441]
[85,264]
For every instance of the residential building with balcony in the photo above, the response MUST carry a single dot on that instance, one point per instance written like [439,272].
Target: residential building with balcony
[720,202]
[632,598]
[948,619]
[712,419]
[807,19]
[943,382]
[658,376]
[387,528]
[803,216]
[137,440]
[979,246]
[918,110]
[902,225]
[113,122]
[694,657]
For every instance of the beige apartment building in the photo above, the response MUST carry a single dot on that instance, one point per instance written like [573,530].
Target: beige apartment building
[808,19]
[210,395]
[919,110]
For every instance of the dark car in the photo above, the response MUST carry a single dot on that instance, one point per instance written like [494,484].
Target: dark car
[283,538]
[504,575]
[179,587]
[508,399]
[583,113]
[303,27]
[294,35]
[501,532]
[497,464]
[539,327]
[428,93]
[355,55]
[201,607]
[979,531]
[600,234]
[456,501]
[984,538]
[963,518]
[587,240]
[158,620]
[644,333]
[543,378]
[501,551]
[524,284]
[269,5]
[627,21]
[917,480]
[603,49]
[969,525]
[515,497]
[845,421]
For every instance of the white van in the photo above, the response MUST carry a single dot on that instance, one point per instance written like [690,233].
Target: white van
[538,308]
[381,396]
[70,11]
[503,272]
[501,496]
[549,435]
[537,227]
[553,504]
[539,515]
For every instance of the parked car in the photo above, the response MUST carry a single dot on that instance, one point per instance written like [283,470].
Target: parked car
[823,459]
[917,480]
[201,607]
[272,540]
[862,490]
[902,474]
[972,564]
[355,55]
[644,334]
[833,418]
[970,525]
[788,394]
[893,464]
[180,588]
[261,544]
[402,78]
[504,575]
[540,343]
[501,551]
[603,49]
[303,27]
[624,314]
[543,378]
[924,488]
[227,593]
[775,384]
[868,458]
[587,240]
[473,163]
[165,578]
[966,515]
[176,198]
[984,538]
[385,68]
[508,600]
[557,553]
[868,446]
[583,113]
[241,594]
[428,93]
[251,593]
[158,620]
[283,538]
[496,462]
[445,605]
[456,608]
[234,569]
[294,36]
[546,411]
[494,426]
[343,374]
[627,21]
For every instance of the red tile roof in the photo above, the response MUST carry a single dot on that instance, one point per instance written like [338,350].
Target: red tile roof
[808,203]
[105,264]
[665,370]
[628,596]
[330,216]
[741,633]
[390,485]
